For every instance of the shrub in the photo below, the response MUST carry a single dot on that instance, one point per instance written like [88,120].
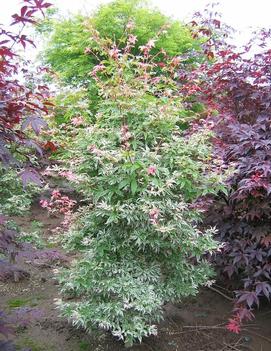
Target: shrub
[139,170]
[243,215]
[22,102]
[237,87]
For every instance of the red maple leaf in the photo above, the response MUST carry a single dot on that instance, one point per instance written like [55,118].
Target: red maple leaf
[233,326]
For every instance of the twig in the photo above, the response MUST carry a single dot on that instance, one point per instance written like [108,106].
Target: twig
[233,347]
[217,326]
[213,341]
[220,293]
[222,288]
[259,335]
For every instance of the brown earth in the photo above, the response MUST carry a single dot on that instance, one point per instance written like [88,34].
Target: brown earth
[197,324]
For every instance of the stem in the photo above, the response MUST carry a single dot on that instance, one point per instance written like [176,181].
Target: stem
[220,293]
[18,35]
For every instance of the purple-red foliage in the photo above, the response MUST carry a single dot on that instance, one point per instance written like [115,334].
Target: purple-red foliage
[238,86]
[9,246]
[20,106]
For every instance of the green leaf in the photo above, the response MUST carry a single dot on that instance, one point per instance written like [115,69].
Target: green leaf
[133,186]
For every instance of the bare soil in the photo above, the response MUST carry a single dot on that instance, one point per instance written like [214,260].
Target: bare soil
[197,324]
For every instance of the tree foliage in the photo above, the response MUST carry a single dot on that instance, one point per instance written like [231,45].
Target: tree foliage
[236,85]
[66,50]
[22,103]
[138,172]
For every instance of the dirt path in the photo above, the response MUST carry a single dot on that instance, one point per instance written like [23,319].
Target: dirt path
[194,325]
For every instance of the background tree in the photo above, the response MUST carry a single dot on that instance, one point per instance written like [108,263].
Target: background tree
[69,41]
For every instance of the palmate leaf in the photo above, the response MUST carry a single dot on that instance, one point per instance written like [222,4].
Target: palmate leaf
[30,175]
[35,122]
[249,297]
[263,288]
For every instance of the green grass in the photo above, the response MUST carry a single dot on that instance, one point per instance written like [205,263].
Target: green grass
[15,303]
[84,345]
[22,302]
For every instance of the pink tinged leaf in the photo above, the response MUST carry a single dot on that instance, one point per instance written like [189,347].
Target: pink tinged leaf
[151,170]
[233,326]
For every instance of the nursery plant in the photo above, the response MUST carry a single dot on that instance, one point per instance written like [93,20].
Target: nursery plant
[242,215]
[235,87]
[138,170]
[23,102]
[22,105]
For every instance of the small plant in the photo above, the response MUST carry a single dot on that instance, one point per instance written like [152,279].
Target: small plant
[14,303]
[58,204]
[14,199]
[33,238]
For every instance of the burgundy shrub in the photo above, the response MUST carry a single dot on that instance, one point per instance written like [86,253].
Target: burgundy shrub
[235,88]
[21,105]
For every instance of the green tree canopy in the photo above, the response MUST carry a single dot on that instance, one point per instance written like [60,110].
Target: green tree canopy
[70,37]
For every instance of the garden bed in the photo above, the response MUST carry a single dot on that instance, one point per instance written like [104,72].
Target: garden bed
[197,324]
